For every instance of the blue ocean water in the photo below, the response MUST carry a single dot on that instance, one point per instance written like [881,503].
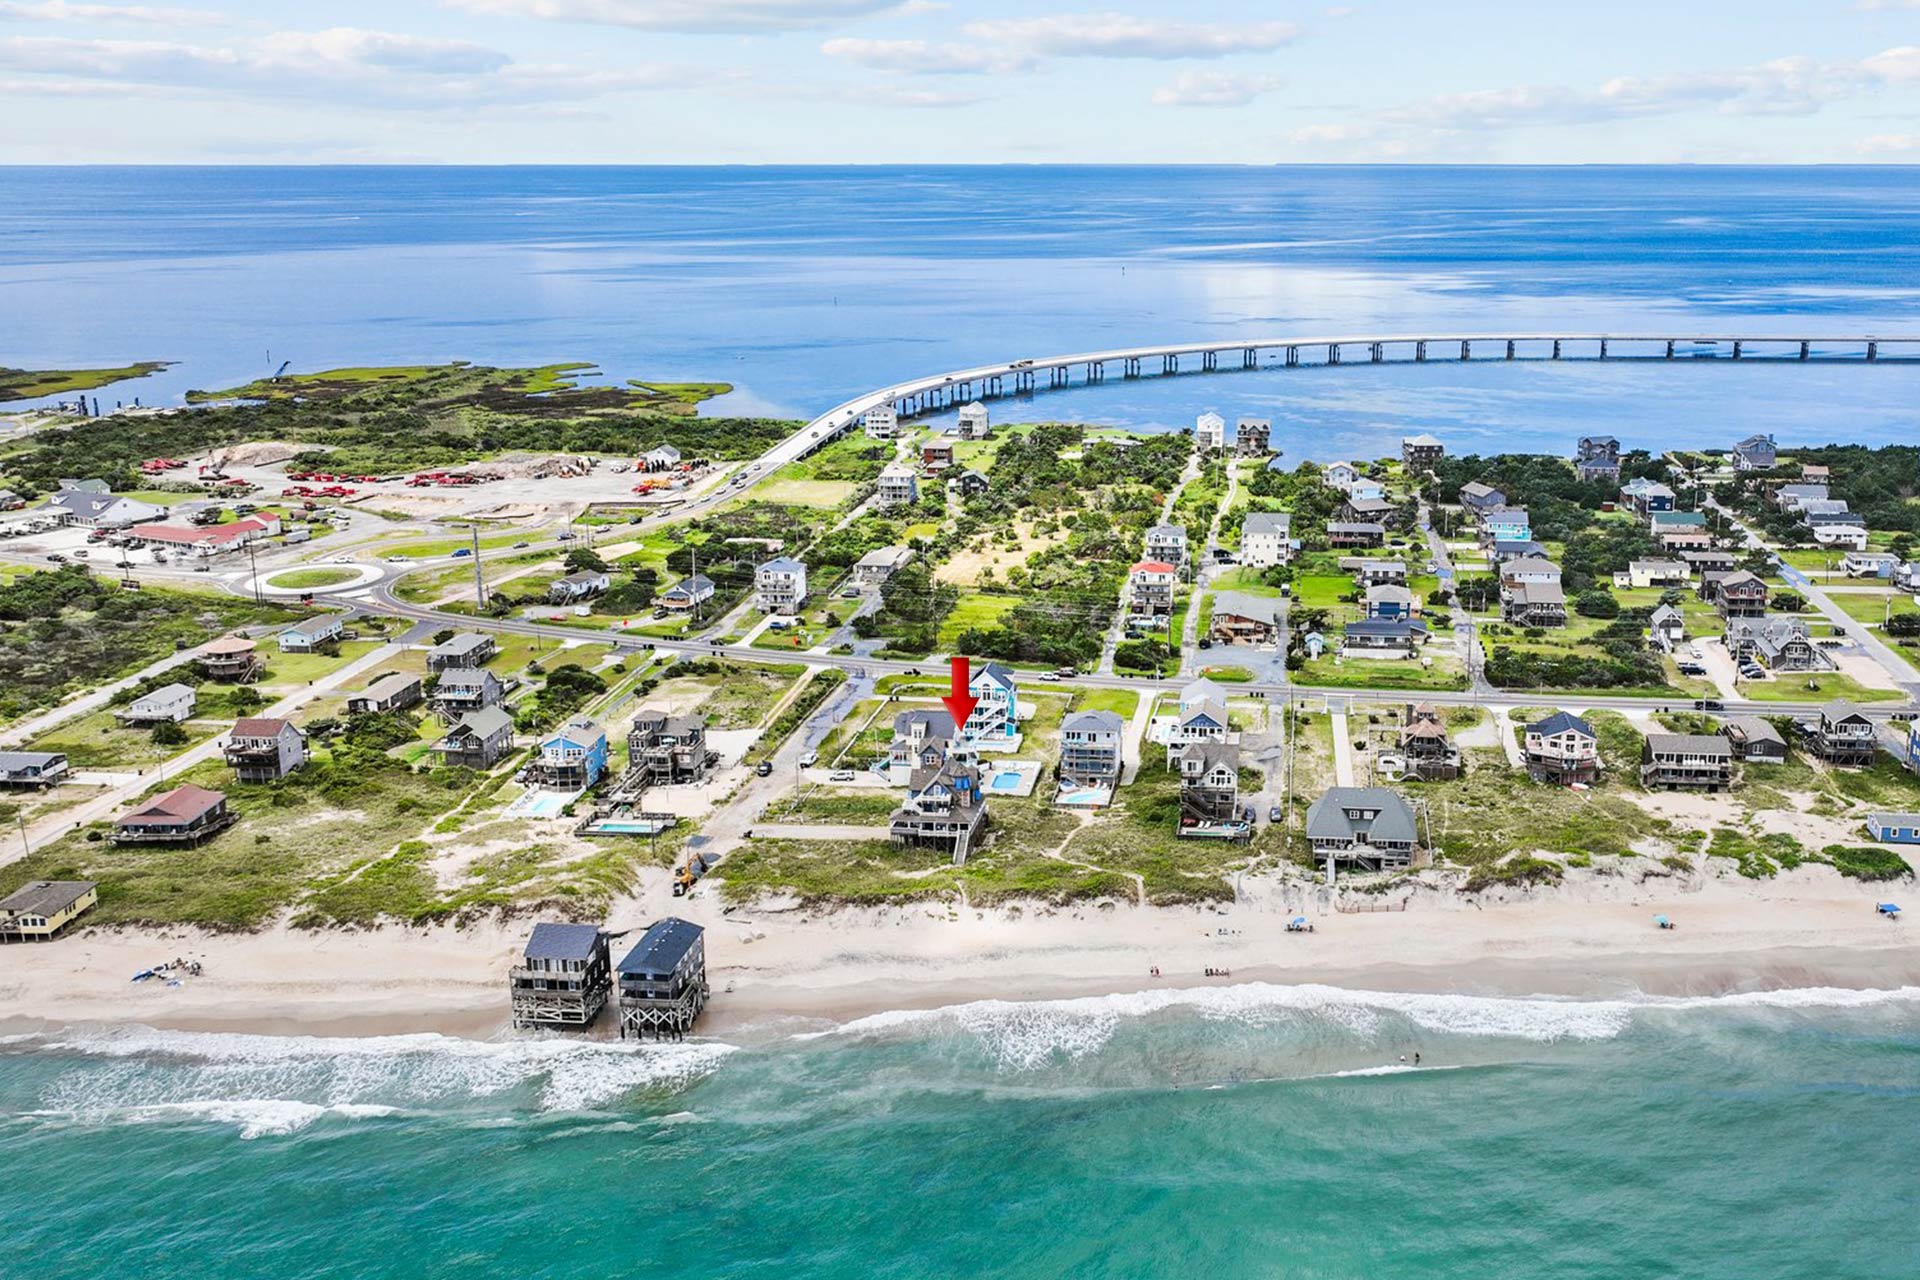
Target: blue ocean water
[1245,1131]
[1242,1132]
[803,286]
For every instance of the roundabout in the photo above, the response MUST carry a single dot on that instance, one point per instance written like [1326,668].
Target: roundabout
[315,579]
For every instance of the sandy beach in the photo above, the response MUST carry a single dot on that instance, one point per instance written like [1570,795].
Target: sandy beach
[775,971]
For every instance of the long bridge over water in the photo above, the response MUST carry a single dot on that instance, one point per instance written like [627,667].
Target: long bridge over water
[1021,377]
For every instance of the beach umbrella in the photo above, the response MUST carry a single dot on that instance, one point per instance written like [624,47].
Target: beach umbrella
[1662,921]
[1889,908]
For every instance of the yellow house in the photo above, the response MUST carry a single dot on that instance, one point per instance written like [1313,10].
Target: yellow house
[38,910]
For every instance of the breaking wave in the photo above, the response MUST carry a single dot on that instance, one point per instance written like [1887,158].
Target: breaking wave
[1029,1034]
[280,1084]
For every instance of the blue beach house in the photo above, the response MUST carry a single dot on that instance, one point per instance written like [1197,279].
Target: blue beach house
[998,713]
[1507,524]
[572,757]
[1894,828]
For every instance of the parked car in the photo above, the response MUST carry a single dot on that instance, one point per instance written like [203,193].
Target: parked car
[1276,814]
[398,559]
[840,775]
[1051,676]
[1709,704]
[765,768]
[462,553]
[809,758]
[520,544]
[56,558]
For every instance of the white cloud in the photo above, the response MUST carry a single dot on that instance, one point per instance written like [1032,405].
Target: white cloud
[919,57]
[1117,35]
[343,64]
[693,16]
[1889,144]
[146,15]
[1214,89]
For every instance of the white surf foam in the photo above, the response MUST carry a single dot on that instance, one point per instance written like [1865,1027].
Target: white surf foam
[253,1117]
[1028,1034]
[153,1067]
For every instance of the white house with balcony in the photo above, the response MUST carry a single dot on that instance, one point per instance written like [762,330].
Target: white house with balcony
[780,585]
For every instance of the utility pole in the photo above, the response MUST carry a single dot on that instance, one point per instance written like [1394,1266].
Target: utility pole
[479,575]
[253,567]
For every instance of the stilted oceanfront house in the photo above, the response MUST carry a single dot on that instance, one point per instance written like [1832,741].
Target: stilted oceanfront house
[1090,748]
[944,809]
[899,485]
[185,815]
[1843,735]
[1422,452]
[1266,539]
[394,692]
[663,980]
[40,909]
[974,422]
[465,689]
[1562,749]
[477,739]
[468,649]
[780,585]
[1702,761]
[563,977]
[32,769]
[169,702]
[880,423]
[583,585]
[1209,432]
[231,659]
[997,714]
[1253,437]
[664,750]
[1167,542]
[1371,827]
[572,758]
[265,749]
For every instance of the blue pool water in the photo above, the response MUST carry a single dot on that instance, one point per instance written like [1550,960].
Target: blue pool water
[1005,780]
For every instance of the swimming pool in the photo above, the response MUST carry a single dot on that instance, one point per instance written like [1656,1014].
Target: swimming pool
[1006,780]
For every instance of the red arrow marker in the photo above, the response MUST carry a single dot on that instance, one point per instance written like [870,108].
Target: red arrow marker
[962,701]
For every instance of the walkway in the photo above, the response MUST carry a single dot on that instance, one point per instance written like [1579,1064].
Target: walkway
[1342,750]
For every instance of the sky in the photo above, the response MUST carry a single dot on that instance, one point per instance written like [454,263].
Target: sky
[970,81]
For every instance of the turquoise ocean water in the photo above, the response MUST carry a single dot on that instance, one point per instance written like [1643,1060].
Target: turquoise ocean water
[1242,1132]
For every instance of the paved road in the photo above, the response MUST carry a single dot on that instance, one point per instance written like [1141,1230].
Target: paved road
[1904,676]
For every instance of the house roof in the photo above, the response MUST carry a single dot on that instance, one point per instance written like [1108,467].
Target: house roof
[464,643]
[1276,522]
[1476,489]
[584,578]
[1202,690]
[1383,593]
[1387,628]
[1238,604]
[1753,729]
[1657,566]
[1841,709]
[1740,578]
[998,673]
[1356,526]
[1667,613]
[885,558]
[262,727]
[14,761]
[320,624]
[1151,566]
[1425,729]
[1505,514]
[1209,709]
[1561,722]
[1327,817]
[563,942]
[1693,744]
[1093,722]
[228,646]
[181,805]
[1529,564]
[1422,439]
[939,723]
[45,897]
[386,686]
[579,728]
[783,564]
[690,586]
[1537,593]
[1873,820]
[1212,755]
[164,694]
[486,722]
[1168,531]
[466,677]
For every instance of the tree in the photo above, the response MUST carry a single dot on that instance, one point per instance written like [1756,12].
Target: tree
[443,635]
[1596,604]
[585,560]
[168,734]
[1788,602]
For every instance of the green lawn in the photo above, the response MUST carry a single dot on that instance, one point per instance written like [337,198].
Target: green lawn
[1864,607]
[299,579]
[1445,673]
[1122,702]
[975,609]
[99,741]
[291,669]
[1793,686]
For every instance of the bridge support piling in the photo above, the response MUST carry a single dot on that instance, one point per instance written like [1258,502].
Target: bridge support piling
[1603,348]
[1293,356]
[1377,351]
[1804,349]
[1420,350]
[1210,360]
[1669,348]
[1556,348]
[1249,359]
[1873,351]
[1333,353]
[1509,348]
[1466,349]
